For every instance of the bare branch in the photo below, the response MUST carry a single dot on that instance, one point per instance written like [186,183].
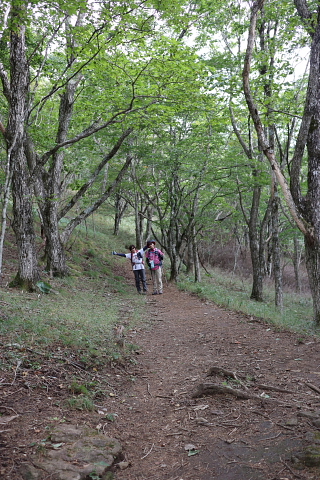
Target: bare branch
[88,211]
[88,184]
[245,147]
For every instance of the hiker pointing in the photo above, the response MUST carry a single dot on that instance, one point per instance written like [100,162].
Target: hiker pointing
[154,258]
[136,257]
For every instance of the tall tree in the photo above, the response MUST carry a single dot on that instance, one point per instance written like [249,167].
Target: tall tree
[16,90]
[305,209]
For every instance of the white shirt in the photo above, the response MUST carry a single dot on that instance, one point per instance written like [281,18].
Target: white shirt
[136,261]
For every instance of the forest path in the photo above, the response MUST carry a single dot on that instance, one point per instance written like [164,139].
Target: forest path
[169,432]
[252,419]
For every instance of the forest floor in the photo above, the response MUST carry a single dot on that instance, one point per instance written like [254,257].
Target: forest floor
[207,394]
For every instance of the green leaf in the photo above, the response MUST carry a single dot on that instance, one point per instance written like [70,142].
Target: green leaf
[44,287]
[56,446]
[193,452]
[111,417]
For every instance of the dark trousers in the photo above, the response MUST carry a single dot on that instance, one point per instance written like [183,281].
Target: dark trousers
[140,278]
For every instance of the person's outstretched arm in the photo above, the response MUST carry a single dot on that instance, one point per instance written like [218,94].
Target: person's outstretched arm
[119,254]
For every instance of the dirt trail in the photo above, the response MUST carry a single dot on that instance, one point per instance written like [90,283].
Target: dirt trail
[168,433]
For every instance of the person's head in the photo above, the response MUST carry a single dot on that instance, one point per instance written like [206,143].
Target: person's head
[151,244]
[132,248]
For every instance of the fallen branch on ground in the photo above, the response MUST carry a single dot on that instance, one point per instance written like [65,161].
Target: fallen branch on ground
[315,389]
[212,389]
[271,387]
[221,371]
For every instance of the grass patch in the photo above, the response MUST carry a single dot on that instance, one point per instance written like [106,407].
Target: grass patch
[79,316]
[234,293]
[80,403]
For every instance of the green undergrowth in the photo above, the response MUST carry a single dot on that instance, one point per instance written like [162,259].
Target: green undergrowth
[233,293]
[79,315]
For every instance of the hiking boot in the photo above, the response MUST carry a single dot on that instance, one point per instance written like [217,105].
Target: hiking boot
[155,293]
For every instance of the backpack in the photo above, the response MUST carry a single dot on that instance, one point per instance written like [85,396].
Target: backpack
[160,258]
[138,256]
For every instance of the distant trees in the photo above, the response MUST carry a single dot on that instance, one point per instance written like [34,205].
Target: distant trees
[76,75]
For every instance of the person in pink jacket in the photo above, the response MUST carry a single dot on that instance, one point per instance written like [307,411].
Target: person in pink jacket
[154,258]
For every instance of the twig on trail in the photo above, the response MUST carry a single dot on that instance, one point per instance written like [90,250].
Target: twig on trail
[314,388]
[259,413]
[285,427]
[12,393]
[15,372]
[147,452]
[269,438]
[296,475]
[9,408]
[275,389]
[148,389]
[181,433]
[75,365]
[31,350]
[175,433]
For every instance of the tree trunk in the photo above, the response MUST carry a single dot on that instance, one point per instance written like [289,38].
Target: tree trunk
[197,271]
[120,206]
[138,221]
[55,254]
[23,226]
[255,248]
[313,268]
[311,205]
[150,210]
[296,264]
[6,197]
[54,249]
[190,258]
[174,264]
[28,272]
[276,250]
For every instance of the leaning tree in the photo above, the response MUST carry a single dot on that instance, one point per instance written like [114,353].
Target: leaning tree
[304,206]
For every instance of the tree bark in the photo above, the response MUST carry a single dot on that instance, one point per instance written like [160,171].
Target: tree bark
[197,271]
[312,200]
[255,248]
[276,248]
[256,240]
[190,259]
[119,206]
[296,264]
[23,226]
